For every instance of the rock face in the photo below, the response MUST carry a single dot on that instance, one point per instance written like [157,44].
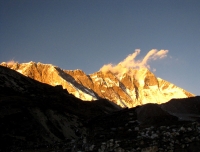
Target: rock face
[137,87]
[52,75]
[35,116]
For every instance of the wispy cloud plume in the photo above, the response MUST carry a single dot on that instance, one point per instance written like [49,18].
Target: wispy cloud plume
[11,62]
[131,63]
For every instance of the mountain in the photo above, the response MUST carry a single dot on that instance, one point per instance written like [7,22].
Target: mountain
[34,112]
[36,116]
[136,87]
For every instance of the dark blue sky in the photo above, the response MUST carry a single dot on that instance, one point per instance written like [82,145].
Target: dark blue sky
[86,34]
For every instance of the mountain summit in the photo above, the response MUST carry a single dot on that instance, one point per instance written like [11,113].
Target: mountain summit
[35,116]
[129,89]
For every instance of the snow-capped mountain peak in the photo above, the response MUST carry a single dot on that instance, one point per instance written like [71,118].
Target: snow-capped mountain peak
[130,88]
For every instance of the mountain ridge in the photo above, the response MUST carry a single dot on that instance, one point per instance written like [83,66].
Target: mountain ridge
[35,116]
[136,87]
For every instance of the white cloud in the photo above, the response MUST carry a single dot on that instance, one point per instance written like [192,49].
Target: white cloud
[131,63]
[11,62]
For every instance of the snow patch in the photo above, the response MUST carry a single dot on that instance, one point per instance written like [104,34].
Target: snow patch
[20,71]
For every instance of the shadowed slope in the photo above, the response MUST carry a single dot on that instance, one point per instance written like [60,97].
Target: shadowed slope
[33,114]
[40,117]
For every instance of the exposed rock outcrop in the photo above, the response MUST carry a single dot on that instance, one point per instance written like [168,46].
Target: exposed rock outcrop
[36,116]
[136,87]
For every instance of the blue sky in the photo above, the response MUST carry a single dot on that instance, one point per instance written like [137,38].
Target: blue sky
[87,34]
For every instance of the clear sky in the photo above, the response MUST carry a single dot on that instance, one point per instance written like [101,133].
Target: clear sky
[87,34]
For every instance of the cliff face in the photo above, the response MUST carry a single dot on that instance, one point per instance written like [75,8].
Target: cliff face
[36,116]
[53,75]
[130,89]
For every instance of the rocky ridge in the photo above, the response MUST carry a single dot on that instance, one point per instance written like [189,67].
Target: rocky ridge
[136,87]
[36,116]
[52,75]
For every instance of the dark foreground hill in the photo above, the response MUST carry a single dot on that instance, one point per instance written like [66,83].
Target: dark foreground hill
[38,117]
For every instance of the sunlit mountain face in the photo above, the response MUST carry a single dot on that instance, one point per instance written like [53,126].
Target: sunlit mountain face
[129,88]
[36,116]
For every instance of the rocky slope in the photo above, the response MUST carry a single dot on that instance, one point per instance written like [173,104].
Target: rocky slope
[136,87]
[36,116]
